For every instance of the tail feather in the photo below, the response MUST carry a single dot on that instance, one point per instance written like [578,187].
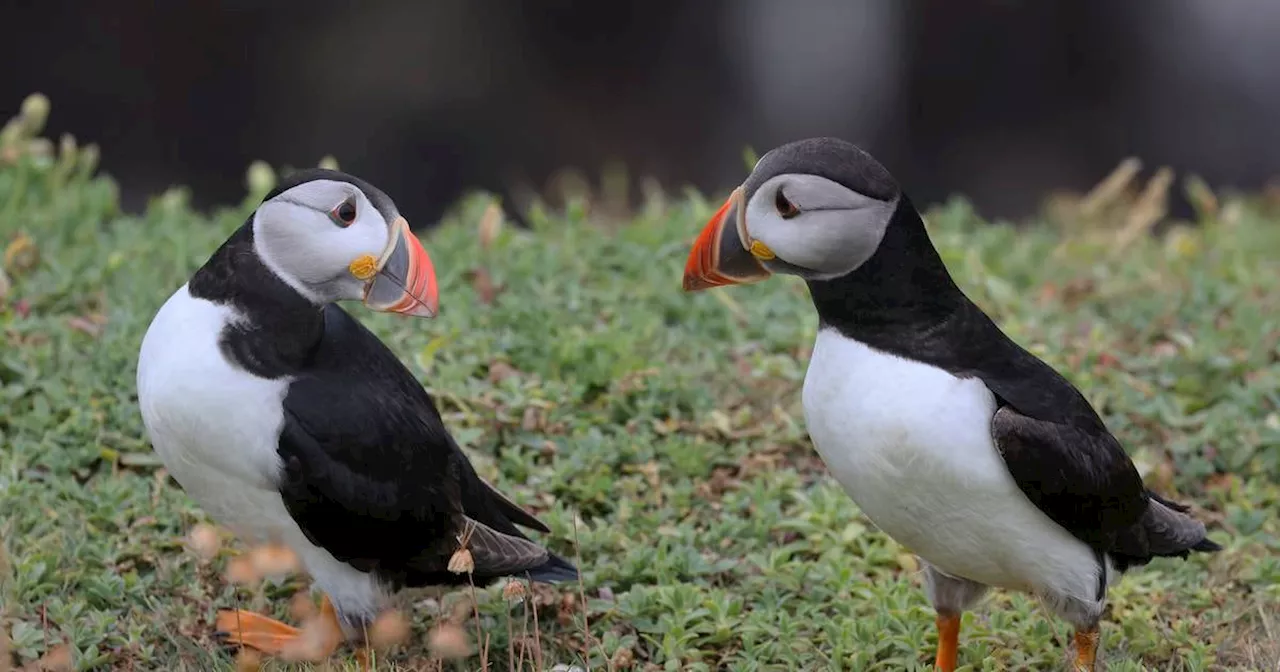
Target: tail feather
[555,570]
[1166,529]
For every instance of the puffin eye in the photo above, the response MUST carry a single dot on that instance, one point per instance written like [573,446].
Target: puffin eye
[786,209]
[344,215]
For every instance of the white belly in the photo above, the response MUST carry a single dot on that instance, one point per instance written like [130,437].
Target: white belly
[215,427]
[911,445]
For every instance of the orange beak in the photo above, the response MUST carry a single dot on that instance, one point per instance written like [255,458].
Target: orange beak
[406,279]
[720,255]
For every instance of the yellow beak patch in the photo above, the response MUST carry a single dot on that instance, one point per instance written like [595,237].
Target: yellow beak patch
[363,267]
[761,251]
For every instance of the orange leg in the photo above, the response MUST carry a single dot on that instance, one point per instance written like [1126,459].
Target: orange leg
[363,658]
[316,640]
[948,641]
[1086,649]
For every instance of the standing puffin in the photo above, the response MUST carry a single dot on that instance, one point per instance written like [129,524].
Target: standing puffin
[961,445]
[289,422]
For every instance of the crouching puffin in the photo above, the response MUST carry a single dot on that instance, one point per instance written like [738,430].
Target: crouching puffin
[289,422]
[962,446]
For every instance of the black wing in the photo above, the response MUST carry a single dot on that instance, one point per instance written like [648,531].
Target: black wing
[1060,453]
[1053,442]
[372,475]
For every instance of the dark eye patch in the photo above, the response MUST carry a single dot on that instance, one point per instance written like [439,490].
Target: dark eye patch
[345,214]
[786,209]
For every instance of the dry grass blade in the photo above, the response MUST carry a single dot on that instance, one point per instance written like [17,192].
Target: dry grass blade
[537,638]
[1150,208]
[1201,195]
[1109,190]
[490,225]
[6,663]
[21,254]
[587,639]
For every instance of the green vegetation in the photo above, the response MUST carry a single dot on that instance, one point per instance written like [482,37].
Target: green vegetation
[660,430]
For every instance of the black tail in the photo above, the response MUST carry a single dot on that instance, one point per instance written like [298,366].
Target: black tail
[555,570]
[1165,530]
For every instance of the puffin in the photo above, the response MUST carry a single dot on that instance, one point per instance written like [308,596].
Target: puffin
[290,423]
[966,449]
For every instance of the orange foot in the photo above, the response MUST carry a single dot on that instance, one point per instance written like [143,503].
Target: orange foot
[1086,650]
[948,641]
[316,640]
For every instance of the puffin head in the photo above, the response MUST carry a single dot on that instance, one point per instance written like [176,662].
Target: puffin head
[816,208]
[332,237]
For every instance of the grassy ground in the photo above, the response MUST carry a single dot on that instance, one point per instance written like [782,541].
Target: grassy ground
[660,430]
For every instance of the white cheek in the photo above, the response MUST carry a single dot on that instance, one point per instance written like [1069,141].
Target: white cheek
[331,253]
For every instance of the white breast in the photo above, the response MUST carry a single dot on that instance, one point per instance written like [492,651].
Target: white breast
[911,445]
[216,427]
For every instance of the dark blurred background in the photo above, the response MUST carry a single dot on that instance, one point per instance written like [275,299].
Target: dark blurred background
[1003,101]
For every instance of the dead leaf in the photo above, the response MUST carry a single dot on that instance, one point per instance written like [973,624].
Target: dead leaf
[91,324]
[482,282]
[57,659]
[529,421]
[500,371]
[622,659]
[1220,482]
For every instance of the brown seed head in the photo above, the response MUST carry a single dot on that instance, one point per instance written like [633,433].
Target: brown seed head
[203,541]
[240,571]
[388,630]
[514,591]
[461,562]
[301,606]
[317,638]
[449,642]
[274,560]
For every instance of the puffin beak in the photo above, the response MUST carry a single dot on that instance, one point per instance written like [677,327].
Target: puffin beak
[405,281]
[720,255]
